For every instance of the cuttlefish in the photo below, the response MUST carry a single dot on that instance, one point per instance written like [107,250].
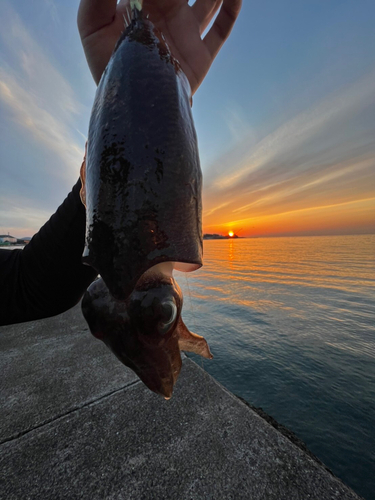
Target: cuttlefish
[141,184]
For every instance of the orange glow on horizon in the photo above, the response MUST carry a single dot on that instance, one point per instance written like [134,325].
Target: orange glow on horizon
[352,217]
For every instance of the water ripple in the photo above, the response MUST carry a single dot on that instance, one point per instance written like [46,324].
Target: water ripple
[291,323]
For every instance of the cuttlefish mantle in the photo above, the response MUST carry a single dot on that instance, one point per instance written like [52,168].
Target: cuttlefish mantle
[142,176]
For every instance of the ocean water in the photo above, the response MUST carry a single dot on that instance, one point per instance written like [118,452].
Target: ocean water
[291,325]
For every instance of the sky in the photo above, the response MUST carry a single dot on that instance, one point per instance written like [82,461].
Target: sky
[285,118]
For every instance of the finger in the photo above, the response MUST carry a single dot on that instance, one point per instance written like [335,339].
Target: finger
[204,11]
[94,15]
[222,26]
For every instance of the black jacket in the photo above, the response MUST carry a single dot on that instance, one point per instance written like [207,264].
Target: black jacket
[47,277]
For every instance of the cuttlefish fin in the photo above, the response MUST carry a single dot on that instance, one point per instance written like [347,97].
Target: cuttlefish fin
[82,174]
[191,342]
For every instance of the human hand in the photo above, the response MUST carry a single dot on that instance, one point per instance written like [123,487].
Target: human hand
[101,22]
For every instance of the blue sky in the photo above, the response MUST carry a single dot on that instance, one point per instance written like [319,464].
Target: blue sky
[285,118]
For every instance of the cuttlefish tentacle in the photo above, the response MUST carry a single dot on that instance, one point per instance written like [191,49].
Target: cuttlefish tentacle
[145,331]
[191,342]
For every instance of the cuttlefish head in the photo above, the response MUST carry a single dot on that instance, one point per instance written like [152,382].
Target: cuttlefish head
[145,331]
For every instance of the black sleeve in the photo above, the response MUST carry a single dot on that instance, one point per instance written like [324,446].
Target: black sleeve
[47,277]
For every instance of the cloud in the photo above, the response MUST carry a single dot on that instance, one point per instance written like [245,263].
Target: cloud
[238,125]
[39,100]
[299,132]
[21,221]
[45,128]
[52,9]
[323,156]
[215,209]
[340,181]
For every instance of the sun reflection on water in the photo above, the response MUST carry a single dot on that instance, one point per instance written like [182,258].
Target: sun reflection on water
[291,324]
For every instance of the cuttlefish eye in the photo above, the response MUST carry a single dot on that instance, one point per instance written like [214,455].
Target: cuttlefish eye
[152,313]
[168,313]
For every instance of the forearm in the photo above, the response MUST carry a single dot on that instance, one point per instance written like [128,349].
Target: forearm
[47,276]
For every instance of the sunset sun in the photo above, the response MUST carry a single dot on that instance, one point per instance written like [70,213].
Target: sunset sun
[231,234]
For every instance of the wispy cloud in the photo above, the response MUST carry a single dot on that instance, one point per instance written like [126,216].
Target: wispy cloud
[21,220]
[52,8]
[41,124]
[300,131]
[207,213]
[321,157]
[238,125]
[38,98]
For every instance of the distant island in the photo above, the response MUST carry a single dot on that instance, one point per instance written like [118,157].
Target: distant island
[9,240]
[220,236]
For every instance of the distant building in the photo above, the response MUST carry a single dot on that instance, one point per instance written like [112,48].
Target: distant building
[7,239]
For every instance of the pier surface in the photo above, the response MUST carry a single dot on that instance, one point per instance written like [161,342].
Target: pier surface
[76,423]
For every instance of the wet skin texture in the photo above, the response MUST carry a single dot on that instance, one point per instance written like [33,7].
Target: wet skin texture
[143,176]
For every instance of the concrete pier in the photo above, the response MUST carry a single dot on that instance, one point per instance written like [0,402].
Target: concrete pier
[75,423]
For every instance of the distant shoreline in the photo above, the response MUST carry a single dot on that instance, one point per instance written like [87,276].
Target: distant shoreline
[288,236]
[220,237]
[12,246]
